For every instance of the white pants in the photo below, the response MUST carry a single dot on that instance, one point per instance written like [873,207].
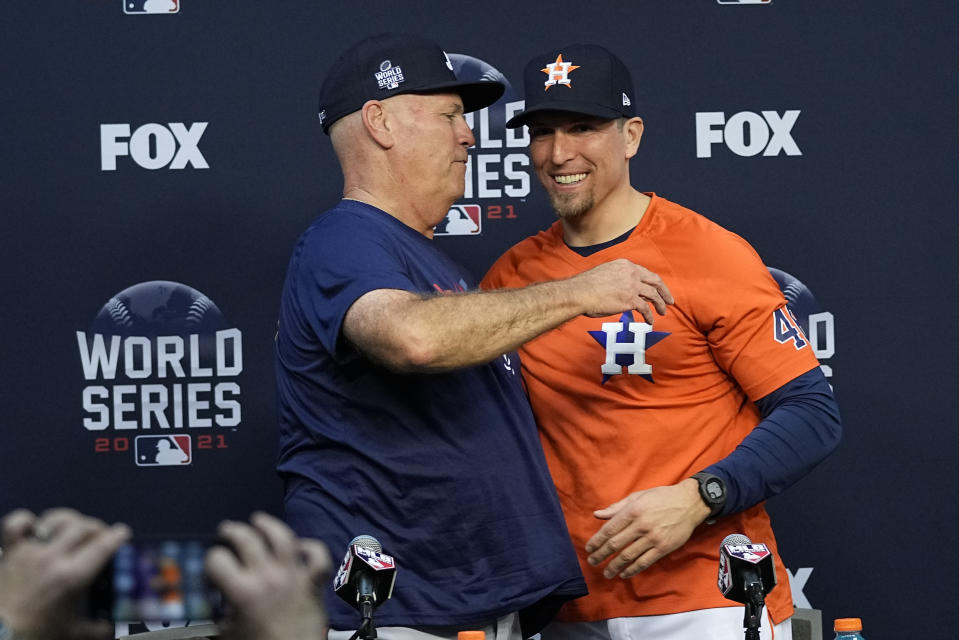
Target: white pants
[722,623]
[506,628]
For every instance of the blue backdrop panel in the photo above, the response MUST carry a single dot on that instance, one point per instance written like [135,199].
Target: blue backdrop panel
[159,167]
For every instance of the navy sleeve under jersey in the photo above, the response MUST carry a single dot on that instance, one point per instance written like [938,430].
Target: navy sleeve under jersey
[800,427]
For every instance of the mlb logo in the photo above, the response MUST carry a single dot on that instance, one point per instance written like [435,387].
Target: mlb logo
[162,451]
[378,561]
[151,6]
[749,552]
[461,220]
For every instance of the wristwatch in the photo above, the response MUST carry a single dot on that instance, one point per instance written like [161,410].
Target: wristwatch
[712,490]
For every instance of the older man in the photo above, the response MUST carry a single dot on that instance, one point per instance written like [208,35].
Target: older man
[402,415]
[650,433]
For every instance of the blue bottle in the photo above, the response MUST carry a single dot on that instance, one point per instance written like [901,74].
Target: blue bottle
[848,629]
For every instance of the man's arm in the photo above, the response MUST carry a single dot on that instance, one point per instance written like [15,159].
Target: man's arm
[800,427]
[408,332]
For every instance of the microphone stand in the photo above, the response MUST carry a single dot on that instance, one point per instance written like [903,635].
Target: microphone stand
[367,630]
[754,610]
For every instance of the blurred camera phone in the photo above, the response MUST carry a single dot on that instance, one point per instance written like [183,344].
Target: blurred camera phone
[156,578]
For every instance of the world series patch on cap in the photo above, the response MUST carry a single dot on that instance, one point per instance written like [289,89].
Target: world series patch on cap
[577,78]
[391,64]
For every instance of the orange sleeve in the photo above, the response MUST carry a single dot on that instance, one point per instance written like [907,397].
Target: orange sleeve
[741,310]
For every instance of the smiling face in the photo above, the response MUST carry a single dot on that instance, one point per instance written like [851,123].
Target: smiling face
[582,160]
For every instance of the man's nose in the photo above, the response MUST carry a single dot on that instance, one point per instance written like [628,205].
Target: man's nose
[467,138]
[563,148]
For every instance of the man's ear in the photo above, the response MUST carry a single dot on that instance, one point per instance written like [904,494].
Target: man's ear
[376,119]
[632,133]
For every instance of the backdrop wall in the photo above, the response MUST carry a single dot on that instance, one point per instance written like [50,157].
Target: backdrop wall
[158,168]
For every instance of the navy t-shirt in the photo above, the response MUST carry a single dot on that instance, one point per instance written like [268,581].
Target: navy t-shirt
[444,469]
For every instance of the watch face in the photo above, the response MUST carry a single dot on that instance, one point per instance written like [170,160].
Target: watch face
[715,490]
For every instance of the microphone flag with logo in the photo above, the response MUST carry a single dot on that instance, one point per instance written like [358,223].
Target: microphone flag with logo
[744,569]
[366,576]
[746,575]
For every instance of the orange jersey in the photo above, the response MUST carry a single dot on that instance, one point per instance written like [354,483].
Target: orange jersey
[625,407]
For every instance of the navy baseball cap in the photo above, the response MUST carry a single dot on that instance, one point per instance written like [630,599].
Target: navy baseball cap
[578,78]
[391,64]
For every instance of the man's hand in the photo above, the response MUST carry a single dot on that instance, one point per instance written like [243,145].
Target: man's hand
[614,287]
[645,526]
[270,578]
[47,563]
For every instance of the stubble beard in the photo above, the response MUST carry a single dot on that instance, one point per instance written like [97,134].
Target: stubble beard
[569,206]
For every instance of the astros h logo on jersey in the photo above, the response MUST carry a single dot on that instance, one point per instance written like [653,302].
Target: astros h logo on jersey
[626,343]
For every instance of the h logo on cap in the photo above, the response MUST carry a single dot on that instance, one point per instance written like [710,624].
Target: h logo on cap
[558,72]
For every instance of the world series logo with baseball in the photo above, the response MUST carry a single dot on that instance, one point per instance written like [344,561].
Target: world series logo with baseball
[161,367]
[498,169]
[807,321]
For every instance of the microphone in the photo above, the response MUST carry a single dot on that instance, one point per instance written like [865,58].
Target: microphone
[746,575]
[366,576]
[744,568]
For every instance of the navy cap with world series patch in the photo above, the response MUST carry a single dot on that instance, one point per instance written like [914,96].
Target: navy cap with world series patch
[577,78]
[391,64]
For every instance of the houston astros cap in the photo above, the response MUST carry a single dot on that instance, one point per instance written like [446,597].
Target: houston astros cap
[578,78]
[391,64]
